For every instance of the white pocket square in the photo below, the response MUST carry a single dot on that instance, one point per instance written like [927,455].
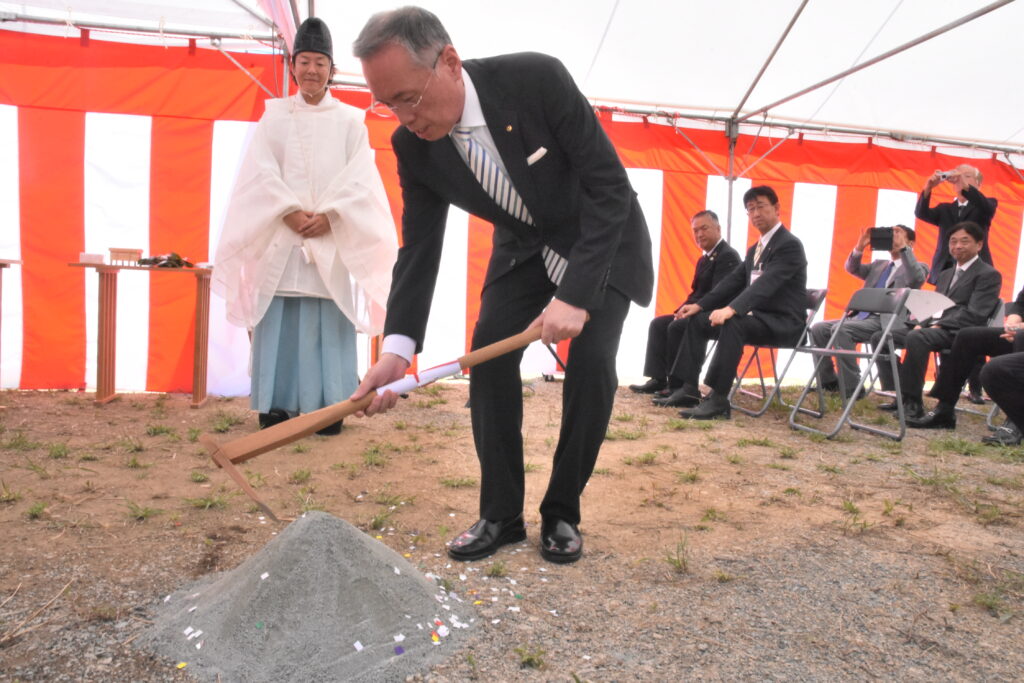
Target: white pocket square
[536,156]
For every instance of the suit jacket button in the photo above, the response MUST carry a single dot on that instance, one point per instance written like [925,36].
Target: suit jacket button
[512,263]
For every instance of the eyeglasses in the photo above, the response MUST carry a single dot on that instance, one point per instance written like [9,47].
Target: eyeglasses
[408,104]
[758,207]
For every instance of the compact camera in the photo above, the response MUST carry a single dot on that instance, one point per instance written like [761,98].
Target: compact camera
[881,239]
[944,175]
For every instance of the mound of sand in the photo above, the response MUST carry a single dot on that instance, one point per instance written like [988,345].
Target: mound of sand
[321,602]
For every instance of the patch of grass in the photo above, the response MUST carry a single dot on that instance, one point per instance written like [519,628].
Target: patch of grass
[133,463]
[193,434]
[88,457]
[373,456]
[767,443]
[458,482]
[734,459]
[307,503]
[498,569]
[787,452]
[955,445]
[1013,483]
[393,499]
[678,558]
[679,424]
[945,479]
[381,520]
[779,466]
[624,417]
[59,451]
[712,515]
[791,491]
[644,459]
[140,513]
[690,476]
[530,657]
[300,476]
[723,577]
[255,479]
[623,434]
[830,469]
[854,521]
[198,477]
[36,511]
[217,501]
[7,495]
[161,430]
[300,447]
[988,514]
[38,469]
[401,425]
[223,421]
[531,467]
[130,445]
[20,442]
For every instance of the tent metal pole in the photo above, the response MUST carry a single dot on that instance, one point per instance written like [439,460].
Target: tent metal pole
[135,28]
[731,131]
[768,61]
[885,55]
[242,68]
[295,13]
[284,63]
[257,15]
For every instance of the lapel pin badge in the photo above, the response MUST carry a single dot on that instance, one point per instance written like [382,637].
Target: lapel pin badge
[508,129]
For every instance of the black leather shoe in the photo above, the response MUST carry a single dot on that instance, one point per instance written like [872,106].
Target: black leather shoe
[648,387]
[485,537]
[913,410]
[711,407]
[560,541]
[331,429]
[1007,435]
[941,418]
[889,407]
[976,398]
[683,397]
[831,387]
[275,416]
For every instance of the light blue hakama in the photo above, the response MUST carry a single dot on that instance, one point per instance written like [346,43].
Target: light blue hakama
[303,356]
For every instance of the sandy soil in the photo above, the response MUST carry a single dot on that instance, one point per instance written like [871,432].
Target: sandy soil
[737,549]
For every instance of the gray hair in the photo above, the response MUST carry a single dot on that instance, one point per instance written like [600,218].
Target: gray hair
[420,32]
[706,212]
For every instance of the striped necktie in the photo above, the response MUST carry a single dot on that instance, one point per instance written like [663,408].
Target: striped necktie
[494,181]
[757,252]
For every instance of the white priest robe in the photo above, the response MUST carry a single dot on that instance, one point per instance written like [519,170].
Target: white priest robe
[312,158]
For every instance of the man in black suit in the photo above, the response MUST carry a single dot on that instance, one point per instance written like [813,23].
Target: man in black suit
[761,301]
[512,140]
[970,344]
[1003,379]
[970,205]
[973,285]
[665,335]
[901,269]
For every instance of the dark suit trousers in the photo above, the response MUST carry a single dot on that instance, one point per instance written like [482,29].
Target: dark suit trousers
[1003,379]
[970,344]
[664,342]
[732,336]
[919,345]
[508,305]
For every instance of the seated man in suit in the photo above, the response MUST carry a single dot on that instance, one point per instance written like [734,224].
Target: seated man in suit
[1003,379]
[971,343]
[973,285]
[901,270]
[665,335]
[761,301]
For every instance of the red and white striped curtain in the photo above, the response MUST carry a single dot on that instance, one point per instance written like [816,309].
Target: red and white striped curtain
[111,145]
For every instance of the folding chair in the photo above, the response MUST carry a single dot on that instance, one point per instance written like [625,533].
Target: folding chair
[889,302]
[815,297]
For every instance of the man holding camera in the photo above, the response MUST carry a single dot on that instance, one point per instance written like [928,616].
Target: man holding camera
[970,205]
[973,285]
[902,269]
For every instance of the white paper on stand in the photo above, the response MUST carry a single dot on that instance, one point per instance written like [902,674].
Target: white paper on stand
[925,303]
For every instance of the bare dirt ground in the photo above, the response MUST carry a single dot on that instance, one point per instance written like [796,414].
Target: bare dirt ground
[730,550]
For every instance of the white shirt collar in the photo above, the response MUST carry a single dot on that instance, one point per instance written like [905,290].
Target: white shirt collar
[472,113]
[710,251]
[967,265]
[765,238]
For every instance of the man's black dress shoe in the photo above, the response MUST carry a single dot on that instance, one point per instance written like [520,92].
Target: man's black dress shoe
[275,416]
[831,387]
[1007,435]
[711,407]
[560,541]
[331,429]
[912,408]
[943,417]
[889,407]
[648,387]
[976,398]
[485,537]
[683,397]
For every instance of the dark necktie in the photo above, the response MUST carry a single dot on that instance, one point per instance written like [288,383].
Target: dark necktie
[881,281]
[952,281]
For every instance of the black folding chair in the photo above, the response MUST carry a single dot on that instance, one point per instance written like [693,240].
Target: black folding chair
[815,297]
[890,302]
